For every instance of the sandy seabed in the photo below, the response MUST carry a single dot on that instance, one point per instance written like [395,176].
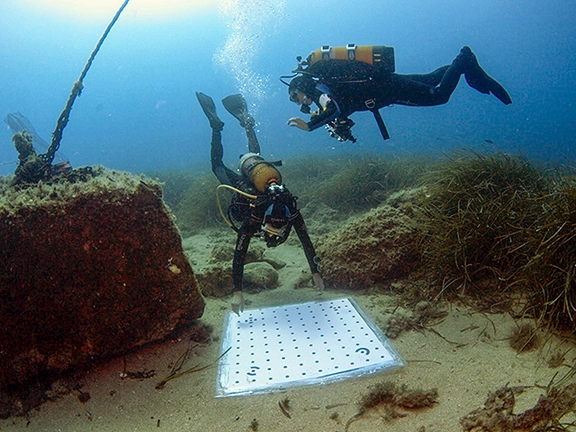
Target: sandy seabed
[465,357]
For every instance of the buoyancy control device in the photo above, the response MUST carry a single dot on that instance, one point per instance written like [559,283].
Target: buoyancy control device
[350,63]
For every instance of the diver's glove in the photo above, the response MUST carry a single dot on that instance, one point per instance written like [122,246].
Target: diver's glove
[318,281]
[238,302]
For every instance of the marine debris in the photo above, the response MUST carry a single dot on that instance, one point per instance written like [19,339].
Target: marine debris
[31,167]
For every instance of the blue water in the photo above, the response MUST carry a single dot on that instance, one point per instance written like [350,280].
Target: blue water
[138,111]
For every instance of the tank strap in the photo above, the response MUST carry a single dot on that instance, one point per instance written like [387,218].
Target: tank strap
[351,50]
[371,105]
[325,50]
[380,123]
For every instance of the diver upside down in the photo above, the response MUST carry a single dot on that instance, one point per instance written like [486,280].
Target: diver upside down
[262,205]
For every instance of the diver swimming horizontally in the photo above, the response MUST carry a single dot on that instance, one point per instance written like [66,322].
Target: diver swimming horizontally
[262,204]
[363,79]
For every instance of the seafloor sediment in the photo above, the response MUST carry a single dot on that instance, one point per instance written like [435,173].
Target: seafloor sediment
[468,368]
[465,355]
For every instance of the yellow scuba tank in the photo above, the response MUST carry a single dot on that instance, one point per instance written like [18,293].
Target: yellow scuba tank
[260,172]
[379,56]
[263,174]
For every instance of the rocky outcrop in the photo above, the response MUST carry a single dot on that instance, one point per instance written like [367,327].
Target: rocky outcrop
[375,248]
[92,266]
[260,270]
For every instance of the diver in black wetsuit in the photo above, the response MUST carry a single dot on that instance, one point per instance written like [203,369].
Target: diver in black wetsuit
[263,205]
[337,100]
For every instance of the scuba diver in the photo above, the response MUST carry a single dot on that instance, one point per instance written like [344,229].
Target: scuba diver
[262,205]
[343,80]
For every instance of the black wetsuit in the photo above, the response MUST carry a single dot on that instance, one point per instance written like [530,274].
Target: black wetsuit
[250,213]
[381,90]
[354,86]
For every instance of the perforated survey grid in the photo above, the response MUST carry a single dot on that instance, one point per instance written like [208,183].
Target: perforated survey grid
[307,343]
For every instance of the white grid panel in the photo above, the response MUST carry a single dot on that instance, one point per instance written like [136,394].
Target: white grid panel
[277,347]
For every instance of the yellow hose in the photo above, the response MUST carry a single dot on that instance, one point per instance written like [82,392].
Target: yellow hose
[225,186]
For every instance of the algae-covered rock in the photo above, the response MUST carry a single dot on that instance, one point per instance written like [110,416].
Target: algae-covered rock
[375,248]
[223,253]
[92,266]
[215,280]
[259,276]
[275,262]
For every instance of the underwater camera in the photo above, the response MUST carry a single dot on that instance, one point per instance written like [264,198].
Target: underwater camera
[340,129]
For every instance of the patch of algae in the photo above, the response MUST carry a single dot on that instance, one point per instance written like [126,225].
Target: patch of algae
[93,181]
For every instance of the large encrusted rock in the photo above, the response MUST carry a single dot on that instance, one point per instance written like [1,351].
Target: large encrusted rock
[92,266]
[376,248]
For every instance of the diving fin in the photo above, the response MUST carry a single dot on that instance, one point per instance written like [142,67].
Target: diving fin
[209,109]
[479,80]
[484,83]
[236,105]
